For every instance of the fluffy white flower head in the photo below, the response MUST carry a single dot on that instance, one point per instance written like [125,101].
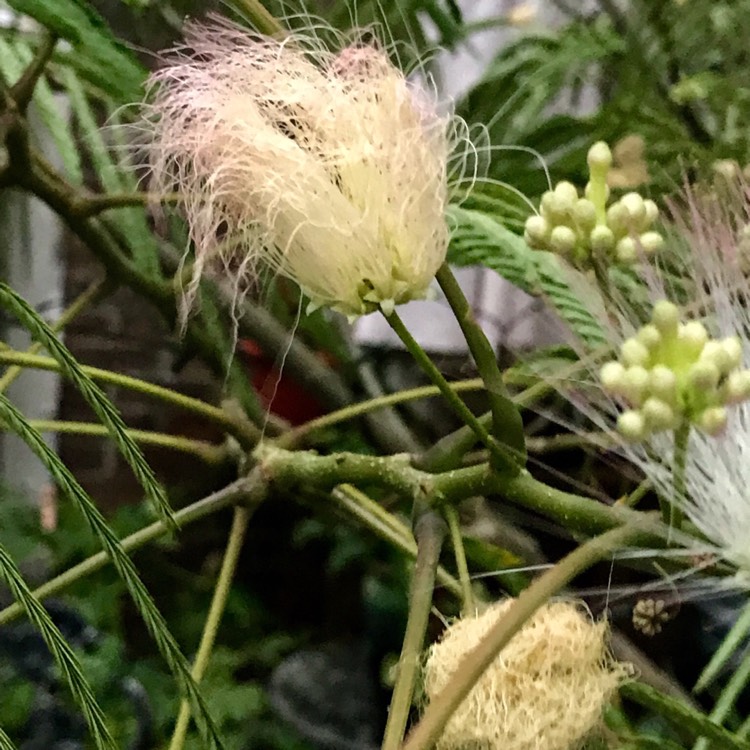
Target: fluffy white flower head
[329,168]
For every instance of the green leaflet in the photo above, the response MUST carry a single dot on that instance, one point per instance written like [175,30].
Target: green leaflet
[105,60]
[67,661]
[72,490]
[105,410]
[478,239]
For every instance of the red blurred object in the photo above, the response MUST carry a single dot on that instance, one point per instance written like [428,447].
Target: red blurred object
[285,397]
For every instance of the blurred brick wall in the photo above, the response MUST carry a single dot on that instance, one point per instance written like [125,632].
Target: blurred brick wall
[126,334]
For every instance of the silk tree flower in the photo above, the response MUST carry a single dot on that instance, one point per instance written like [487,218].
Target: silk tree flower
[329,168]
[546,689]
[704,269]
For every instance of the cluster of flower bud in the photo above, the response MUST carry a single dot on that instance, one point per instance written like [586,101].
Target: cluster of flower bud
[670,373]
[583,229]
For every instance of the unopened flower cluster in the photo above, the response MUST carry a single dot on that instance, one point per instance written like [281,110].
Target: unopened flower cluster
[584,230]
[671,373]
[329,168]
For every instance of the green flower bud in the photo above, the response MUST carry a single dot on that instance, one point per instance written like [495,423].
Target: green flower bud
[632,425]
[562,240]
[633,352]
[666,317]
[591,189]
[658,414]
[602,240]
[713,420]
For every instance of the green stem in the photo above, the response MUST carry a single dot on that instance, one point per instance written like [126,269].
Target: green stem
[429,530]
[256,13]
[501,454]
[388,527]
[451,516]
[213,619]
[682,716]
[507,425]
[88,297]
[95,204]
[440,710]
[225,497]
[295,437]
[207,452]
[245,433]
[670,508]
[736,684]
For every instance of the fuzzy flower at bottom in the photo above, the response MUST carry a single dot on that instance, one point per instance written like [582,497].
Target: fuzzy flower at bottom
[329,168]
[546,690]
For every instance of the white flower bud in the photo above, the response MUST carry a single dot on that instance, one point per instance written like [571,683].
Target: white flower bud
[612,376]
[632,425]
[617,219]
[636,209]
[737,386]
[599,157]
[584,214]
[633,352]
[666,317]
[635,384]
[562,240]
[651,242]
[652,212]
[658,414]
[536,232]
[713,420]
[704,375]
[662,383]
[626,251]
[693,337]
[602,240]
[731,348]
[566,193]
[649,336]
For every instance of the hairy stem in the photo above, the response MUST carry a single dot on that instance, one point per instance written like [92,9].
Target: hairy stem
[507,425]
[240,521]
[429,531]
[440,710]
